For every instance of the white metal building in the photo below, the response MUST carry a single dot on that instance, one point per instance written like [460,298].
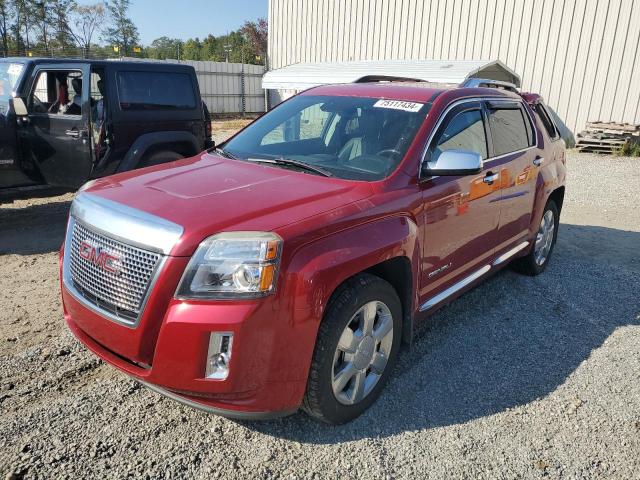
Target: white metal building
[583,56]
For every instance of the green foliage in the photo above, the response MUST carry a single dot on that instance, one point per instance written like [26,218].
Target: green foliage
[121,32]
[67,29]
[235,46]
[630,149]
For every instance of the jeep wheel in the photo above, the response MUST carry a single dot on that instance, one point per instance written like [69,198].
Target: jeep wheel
[356,349]
[538,258]
[160,157]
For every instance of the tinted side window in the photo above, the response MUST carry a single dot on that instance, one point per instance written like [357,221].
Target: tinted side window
[508,130]
[546,120]
[465,131]
[155,91]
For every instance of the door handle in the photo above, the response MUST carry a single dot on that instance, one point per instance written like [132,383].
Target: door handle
[538,161]
[76,133]
[490,178]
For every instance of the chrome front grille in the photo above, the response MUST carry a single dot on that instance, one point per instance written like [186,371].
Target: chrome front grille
[120,289]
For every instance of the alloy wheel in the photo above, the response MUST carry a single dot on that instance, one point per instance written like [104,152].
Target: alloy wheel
[544,238]
[362,353]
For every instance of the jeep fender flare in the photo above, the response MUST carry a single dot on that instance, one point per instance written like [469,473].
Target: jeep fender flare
[149,140]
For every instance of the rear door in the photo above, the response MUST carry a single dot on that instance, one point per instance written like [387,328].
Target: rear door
[56,139]
[514,156]
[461,212]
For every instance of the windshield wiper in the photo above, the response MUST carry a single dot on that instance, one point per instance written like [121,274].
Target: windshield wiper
[292,163]
[224,153]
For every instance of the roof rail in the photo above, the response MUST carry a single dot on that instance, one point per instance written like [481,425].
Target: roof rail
[484,82]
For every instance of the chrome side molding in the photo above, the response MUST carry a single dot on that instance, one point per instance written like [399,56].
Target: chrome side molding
[433,301]
[507,255]
[454,288]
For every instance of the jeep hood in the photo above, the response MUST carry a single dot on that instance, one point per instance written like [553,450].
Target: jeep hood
[209,194]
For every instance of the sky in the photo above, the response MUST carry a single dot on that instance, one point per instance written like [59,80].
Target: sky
[185,19]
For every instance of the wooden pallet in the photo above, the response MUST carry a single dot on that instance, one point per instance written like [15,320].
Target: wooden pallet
[600,145]
[614,127]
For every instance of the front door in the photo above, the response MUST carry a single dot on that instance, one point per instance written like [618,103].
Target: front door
[461,212]
[55,137]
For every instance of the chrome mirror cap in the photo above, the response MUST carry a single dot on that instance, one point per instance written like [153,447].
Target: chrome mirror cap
[453,162]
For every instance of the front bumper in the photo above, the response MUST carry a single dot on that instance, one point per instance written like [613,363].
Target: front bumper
[268,368]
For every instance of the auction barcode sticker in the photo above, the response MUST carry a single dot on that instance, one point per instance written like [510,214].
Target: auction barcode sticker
[399,105]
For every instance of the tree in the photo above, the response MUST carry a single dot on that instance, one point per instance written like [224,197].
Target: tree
[256,34]
[41,20]
[121,32]
[87,19]
[22,23]
[61,13]
[165,47]
[4,26]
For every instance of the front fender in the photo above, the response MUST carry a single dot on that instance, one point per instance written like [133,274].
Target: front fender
[318,268]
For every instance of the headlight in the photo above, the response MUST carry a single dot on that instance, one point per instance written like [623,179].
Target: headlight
[232,265]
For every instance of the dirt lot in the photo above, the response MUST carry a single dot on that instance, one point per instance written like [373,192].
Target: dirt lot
[522,377]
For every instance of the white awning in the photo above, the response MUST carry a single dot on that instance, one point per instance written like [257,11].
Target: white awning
[301,76]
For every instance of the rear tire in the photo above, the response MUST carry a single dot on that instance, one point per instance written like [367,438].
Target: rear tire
[356,349]
[160,157]
[544,242]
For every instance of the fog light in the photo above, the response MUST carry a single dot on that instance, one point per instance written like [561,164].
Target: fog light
[218,355]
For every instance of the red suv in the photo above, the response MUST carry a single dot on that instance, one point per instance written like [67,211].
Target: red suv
[286,268]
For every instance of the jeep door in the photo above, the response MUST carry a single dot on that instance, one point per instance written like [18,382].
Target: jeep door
[55,136]
[10,172]
[515,155]
[461,213]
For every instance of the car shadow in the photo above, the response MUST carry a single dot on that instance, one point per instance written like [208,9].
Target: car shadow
[34,229]
[506,343]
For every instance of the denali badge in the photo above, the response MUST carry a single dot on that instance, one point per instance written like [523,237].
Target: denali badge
[439,270]
[100,258]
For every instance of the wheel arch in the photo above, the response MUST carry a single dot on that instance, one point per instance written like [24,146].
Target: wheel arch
[391,252]
[558,197]
[184,143]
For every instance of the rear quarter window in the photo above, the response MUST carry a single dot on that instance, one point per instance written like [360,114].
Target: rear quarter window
[510,130]
[155,91]
[545,118]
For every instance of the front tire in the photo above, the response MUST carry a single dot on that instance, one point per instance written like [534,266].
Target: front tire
[356,350]
[545,240]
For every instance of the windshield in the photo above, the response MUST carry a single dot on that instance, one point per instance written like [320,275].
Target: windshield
[349,137]
[9,76]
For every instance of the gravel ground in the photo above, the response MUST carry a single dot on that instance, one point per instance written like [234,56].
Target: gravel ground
[521,377]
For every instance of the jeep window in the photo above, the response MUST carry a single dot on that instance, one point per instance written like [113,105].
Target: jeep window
[508,130]
[545,118]
[56,92]
[9,76]
[351,137]
[155,91]
[465,131]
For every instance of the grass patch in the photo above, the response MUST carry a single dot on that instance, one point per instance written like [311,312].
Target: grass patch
[629,149]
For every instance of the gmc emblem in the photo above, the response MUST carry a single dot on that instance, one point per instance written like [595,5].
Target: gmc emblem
[100,258]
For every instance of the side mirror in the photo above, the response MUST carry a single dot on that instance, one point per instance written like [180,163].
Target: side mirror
[19,107]
[453,162]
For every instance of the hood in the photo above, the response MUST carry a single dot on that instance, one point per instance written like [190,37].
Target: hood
[208,194]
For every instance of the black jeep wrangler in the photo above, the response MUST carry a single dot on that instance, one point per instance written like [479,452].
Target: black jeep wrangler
[63,122]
